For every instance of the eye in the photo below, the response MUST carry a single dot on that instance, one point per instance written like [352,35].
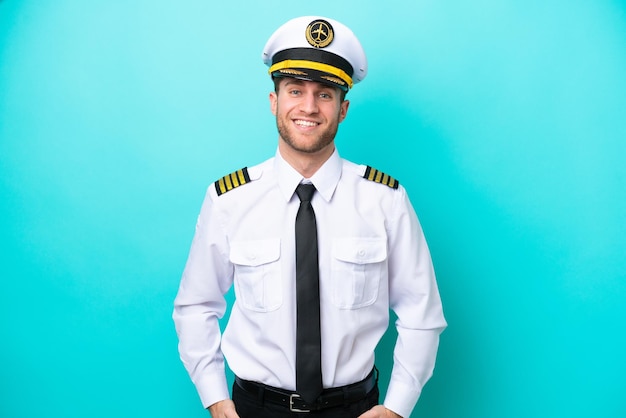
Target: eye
[326,95]
[294,92]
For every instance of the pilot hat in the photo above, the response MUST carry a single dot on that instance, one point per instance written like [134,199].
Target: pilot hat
[318,49]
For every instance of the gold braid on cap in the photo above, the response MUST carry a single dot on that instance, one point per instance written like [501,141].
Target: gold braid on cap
[312,65]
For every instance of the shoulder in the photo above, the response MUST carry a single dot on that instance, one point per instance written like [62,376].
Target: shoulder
[238,178]
[232,181]
[378,176]
[371,174]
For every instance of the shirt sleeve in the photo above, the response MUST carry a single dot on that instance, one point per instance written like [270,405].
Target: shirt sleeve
[414,297]
[200,303]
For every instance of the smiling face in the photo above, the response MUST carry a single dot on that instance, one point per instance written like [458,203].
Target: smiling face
[307,116]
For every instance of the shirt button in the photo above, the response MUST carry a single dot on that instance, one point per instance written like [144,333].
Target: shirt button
[361,253]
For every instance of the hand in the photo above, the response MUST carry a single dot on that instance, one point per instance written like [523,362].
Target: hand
[223,409]
[380,411]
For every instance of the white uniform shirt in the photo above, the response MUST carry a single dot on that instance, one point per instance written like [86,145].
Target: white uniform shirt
[372,256]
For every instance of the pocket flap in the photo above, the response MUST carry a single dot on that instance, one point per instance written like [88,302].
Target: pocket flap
[254,253]
[360,250]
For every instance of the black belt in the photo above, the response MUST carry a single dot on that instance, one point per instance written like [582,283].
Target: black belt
[329,398]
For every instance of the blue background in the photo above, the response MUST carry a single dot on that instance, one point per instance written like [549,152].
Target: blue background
[503,119]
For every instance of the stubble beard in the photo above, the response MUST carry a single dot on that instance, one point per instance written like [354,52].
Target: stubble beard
[323,140]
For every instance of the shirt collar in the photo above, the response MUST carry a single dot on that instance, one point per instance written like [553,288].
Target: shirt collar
[325,179]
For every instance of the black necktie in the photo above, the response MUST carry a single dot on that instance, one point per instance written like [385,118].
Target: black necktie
[308,344]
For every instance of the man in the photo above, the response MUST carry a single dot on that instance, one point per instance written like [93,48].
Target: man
[318,249]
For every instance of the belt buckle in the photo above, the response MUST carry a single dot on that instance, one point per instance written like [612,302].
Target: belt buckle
[291,408]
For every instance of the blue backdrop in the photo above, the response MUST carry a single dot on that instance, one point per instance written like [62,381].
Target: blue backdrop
[503,119]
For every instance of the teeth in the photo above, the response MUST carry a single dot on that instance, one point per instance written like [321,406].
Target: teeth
[305,123]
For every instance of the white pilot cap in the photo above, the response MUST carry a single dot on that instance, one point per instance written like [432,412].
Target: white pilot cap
[318,49]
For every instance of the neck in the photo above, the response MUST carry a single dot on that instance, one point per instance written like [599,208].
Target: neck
[305,163]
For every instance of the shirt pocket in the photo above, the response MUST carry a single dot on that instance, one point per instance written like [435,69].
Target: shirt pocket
[357,265]
[257,274]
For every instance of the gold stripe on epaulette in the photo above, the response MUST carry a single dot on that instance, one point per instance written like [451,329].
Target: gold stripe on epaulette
[380,177]
[231,181]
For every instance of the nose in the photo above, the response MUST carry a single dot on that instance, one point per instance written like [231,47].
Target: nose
[308,104]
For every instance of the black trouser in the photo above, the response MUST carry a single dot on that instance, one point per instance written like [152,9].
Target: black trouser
[250,406]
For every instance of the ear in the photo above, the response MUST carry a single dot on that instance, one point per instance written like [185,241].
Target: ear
[273,102]
[343,110]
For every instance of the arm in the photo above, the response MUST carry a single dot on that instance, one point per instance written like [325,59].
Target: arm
[414,298]
[200,303]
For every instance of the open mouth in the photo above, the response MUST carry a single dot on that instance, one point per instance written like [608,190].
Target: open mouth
[305,123]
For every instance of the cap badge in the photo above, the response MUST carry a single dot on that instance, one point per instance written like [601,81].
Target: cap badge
[319,33]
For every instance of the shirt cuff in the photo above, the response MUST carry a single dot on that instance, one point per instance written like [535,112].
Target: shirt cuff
[401,399]
[212,388]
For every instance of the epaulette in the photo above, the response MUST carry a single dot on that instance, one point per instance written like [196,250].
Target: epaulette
[232,181]
[380,177]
